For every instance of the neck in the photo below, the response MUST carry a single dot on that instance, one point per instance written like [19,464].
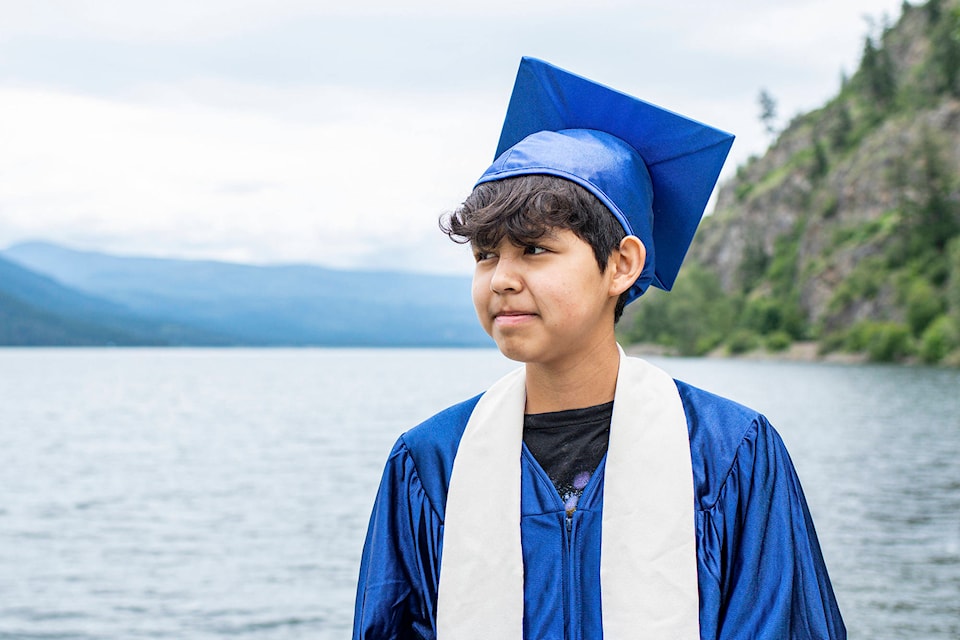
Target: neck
[585,382]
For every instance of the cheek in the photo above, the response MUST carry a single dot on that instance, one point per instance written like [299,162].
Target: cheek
[575,298]
[476,290]
[480,292]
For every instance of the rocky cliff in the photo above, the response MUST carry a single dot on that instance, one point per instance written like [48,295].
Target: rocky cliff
[846,230]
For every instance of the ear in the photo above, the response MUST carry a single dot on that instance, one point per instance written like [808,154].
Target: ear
[627,263]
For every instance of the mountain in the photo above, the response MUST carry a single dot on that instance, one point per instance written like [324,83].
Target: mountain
[847,230]
[37,310]
[270,305]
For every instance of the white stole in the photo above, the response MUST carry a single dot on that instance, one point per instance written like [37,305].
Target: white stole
[648,563]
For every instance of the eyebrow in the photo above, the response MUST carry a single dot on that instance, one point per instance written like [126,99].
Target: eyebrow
[545,231]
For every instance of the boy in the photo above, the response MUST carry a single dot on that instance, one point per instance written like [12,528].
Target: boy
[588,494]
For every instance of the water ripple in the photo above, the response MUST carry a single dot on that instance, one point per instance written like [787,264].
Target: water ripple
[209,493]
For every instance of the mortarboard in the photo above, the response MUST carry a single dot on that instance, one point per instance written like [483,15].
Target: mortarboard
[654,169]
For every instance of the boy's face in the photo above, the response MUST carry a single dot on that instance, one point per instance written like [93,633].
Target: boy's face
[544,303]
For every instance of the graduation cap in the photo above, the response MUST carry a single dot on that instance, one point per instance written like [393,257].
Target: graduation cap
[654,169]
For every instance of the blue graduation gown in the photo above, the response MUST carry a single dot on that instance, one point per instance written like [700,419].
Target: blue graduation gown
[760,571]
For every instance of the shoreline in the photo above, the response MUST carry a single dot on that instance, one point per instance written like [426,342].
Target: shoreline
[806,351]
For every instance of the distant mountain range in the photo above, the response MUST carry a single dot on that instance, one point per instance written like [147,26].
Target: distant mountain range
[52,295]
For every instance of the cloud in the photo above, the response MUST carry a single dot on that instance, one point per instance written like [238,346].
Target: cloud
[235,184]
[141,21]
[292,130]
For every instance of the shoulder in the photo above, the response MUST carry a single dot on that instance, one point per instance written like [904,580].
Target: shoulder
[719,416]
[438,436]
[724,438]
[432,446]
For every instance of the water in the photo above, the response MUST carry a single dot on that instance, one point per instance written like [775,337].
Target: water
[213,493]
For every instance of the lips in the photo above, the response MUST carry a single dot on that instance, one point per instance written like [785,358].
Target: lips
[512,317]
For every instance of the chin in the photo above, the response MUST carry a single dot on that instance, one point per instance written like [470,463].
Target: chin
[513,351]
[515,357]
[524,353]
[512,354]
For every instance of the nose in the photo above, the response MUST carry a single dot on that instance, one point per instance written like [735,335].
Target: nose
[506,276]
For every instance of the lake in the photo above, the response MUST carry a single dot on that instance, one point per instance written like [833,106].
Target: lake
[209,493]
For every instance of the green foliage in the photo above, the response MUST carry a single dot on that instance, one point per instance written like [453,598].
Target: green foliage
[742,341]
[693,318]
[833,341]
[953,277]
[930,214]
[778,341]
[940,338]
[937,218]
[830,206]
[869,232]
[821,163]
[753,265]
[903,265]
[783,268]
[923,304]
[744,185]
[767,316]
[866,280]
[877,71]
[882,341]
[799,162]
[945,48]
[841,127]
[697,316]
[778,310]
[762,315]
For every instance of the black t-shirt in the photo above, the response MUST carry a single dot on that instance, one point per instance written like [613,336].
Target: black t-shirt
[569,445]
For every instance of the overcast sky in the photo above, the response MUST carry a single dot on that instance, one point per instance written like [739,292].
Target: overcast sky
[277,131]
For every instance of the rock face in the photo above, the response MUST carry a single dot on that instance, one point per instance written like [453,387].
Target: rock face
[856,200]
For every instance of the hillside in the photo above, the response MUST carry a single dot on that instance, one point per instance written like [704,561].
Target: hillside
[36,310]
[289,305]
[847,231]
[24,325]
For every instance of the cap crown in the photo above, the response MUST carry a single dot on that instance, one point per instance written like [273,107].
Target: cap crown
[654,169]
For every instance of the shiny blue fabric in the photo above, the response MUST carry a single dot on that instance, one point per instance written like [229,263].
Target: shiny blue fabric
[659,193]
[760,571]
[601,163]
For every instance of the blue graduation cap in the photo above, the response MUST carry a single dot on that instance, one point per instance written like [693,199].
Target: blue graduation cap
[654,169]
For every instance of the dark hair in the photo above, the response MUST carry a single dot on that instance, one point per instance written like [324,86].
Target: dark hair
[525,208]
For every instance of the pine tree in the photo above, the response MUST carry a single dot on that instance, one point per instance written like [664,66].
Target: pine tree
[768,111]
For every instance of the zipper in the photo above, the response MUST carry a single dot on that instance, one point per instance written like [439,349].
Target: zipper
[572,599]
[566,576]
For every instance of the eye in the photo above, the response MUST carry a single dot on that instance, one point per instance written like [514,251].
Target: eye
[534,250]
[481,255]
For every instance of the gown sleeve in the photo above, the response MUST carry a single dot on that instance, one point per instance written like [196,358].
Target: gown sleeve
[396,592]
[770,581]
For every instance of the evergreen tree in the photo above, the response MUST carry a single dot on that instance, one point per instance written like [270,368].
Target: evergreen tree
[841,127]
[945,50]
[821,163]
[953,280]
[878,74]
[768,111]
[938,221]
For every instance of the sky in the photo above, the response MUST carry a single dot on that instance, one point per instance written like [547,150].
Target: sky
[295,131]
